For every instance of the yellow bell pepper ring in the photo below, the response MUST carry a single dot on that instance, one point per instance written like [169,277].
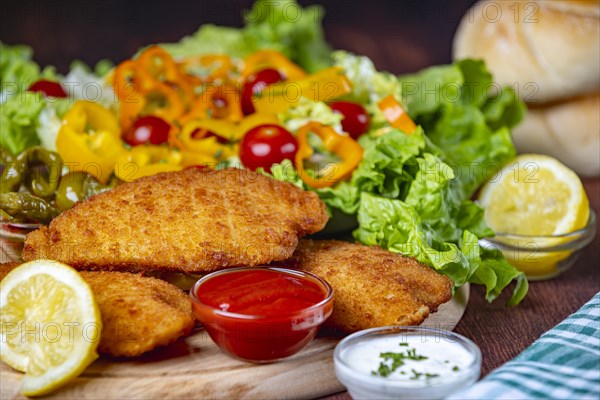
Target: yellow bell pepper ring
[212,66]
[324,85]
[252,121]
[192,159]
[91,115]
[344,153]
[146,160]
[209,137]
[396,115]
[89,140]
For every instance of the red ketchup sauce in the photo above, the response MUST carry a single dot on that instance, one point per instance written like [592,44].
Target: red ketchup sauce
[262,314]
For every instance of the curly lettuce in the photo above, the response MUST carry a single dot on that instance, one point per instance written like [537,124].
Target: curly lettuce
[18,71]
[412,203]
[283,25]
[19,121]
[465,114]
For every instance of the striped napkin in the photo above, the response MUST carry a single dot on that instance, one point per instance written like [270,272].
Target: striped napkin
[564,363]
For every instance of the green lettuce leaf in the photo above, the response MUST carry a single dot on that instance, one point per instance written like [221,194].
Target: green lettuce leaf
[19,121]
[466,122]
[18,71]
[211,39]
[411,201]
[283,25]
[343,196]
[291,29]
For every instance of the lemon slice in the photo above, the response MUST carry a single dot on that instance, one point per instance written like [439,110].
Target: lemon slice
[49,324]
[535,196]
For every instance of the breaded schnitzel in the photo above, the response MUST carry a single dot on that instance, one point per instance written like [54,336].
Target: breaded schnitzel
[138,313]
[373,287]
[196,220]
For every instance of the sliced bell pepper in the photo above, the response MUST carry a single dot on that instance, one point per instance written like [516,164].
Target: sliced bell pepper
[210,137]
[396,115]
[156,63]
[339,155]
[209,67]
[251,121]
[89,140]
[123,79]
[147,160]
[272,59]
[220,101]
[191,159]
[152,84]
[163,101]
[324,85]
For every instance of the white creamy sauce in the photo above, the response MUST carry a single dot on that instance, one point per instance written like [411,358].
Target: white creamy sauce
[442,358]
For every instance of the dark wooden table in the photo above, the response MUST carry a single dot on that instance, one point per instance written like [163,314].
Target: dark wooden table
[502,332]
[399,36]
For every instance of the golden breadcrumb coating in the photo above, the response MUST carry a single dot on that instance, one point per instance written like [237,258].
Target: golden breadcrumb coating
[373,287]
[192,221]
[138,313]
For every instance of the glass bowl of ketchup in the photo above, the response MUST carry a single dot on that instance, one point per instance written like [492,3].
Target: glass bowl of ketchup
[262,314]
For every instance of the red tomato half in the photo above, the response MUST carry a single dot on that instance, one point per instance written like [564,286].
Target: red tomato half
[266,145]
[255,84]
[148,129]
[356,119]
[48,88]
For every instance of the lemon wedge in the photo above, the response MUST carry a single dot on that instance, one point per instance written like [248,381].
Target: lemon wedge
[535,196]
[49,324]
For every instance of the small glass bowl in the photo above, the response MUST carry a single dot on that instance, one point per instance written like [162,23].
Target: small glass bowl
[543,257]
[12,238]
[259,338]
[364,385]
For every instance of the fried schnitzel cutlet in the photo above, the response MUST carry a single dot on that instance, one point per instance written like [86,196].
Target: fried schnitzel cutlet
[191,221]
[373,287]
[138,313]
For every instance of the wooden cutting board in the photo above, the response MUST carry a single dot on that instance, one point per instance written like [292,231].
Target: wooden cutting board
[196,368]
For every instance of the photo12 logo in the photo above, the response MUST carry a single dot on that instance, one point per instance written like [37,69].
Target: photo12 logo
[49,332]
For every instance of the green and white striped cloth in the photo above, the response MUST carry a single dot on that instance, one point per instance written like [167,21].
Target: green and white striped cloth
[564,363]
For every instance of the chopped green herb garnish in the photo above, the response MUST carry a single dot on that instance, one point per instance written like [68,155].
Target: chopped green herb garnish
[404,344]
[397,360]
[417,375]
[455,368]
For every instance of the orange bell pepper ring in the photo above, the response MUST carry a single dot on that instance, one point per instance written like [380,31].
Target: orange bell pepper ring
[163,101]
[263,59]
[123,79]
[217,102]
[156,63]
[396,115]
[324,156]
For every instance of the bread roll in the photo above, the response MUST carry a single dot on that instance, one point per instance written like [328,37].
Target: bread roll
[568,131]
[554,44]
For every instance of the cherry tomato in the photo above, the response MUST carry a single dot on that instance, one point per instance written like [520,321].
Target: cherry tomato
[266,145]
[48,88]
[148,129]
[356,119]
[255,84]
